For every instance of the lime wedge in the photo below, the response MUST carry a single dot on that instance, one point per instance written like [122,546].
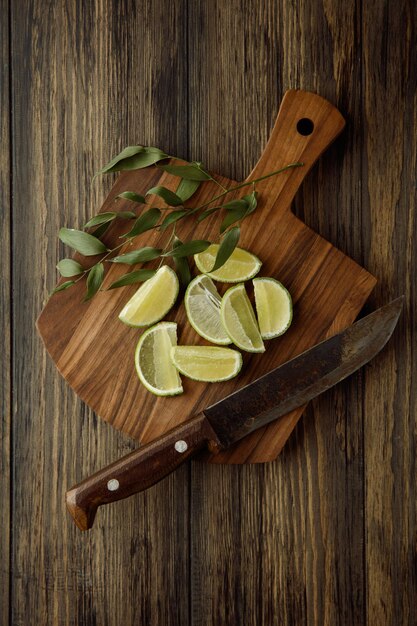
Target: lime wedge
[153,363]
[273,307]
[202,304]
[239,320]
[209,364]
[153,299]
[240,266]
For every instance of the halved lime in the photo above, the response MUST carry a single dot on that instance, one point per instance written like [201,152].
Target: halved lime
[153,362]
[273,307]
[202,304]
[153,299]
[209,364]
[239,320]
[241,265]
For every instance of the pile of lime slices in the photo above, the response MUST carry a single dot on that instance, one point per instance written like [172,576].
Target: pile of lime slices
[221,320]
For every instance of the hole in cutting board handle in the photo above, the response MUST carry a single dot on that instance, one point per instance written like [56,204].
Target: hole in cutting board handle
[305,126]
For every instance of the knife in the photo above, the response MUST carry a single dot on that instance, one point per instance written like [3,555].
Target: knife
[273,395]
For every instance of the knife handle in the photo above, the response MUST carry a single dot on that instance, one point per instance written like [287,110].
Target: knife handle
[139,469]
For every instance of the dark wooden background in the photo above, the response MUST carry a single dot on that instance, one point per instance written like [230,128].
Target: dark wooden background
[326,535]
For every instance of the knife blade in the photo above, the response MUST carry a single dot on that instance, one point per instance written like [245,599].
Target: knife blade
[268,398]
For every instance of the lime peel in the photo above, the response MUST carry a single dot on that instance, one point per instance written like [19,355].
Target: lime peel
[210,364]
[240,266]
[152,301]
[273,307]
[152,360]
[239,320]
[202,305]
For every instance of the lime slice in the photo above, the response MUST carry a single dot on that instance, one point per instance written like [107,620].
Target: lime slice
[273,307]
[153,299]
[209,364]
[153,363]
[239,320]
[202,304]
[240,266]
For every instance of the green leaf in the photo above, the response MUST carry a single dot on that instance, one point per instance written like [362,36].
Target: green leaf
[94,280]
[181,265]
[126,215]
[232,217]
[172,217]
[145,222]
[106,218]
[69,267]
[252,200]
[187,188]
[235,204]
[138,256]
[132,196]
[238,209]
[169,196]
[82,242]
[98,232]
[63,286]
[132,278]
[133,158]
[188,248]
[189,172]
[205,214]
[228,244]
[101,218]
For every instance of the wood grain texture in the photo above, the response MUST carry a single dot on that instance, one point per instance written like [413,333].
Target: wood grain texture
[332,572]
[308,507]
[391,400]
[95,351]
[326,534]
[5,318]
[88,78]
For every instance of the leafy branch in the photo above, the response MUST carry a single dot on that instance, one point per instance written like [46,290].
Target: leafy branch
[192,175]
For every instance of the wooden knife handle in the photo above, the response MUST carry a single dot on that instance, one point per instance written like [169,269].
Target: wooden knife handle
[139,469]
[306,125]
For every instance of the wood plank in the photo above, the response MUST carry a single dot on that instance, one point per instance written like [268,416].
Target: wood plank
[287,538]
[89,78]
[330,485]
[283,543]
[5,292]
[389,195]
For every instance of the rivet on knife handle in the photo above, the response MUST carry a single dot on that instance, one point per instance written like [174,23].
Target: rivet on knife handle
[139,469]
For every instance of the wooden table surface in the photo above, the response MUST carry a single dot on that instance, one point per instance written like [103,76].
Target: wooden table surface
[326,535]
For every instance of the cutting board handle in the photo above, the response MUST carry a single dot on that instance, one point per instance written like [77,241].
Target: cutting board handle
[306,125]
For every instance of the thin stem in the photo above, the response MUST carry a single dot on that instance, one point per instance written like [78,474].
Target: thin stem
[126,241]
[202,206]
[161,262]
[219,184]
[240,186]
[245,184]
[129,240]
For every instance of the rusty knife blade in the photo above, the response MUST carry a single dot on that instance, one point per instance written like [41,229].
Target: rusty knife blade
[298,381]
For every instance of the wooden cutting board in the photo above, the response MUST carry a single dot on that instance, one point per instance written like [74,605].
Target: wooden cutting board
[94,351]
